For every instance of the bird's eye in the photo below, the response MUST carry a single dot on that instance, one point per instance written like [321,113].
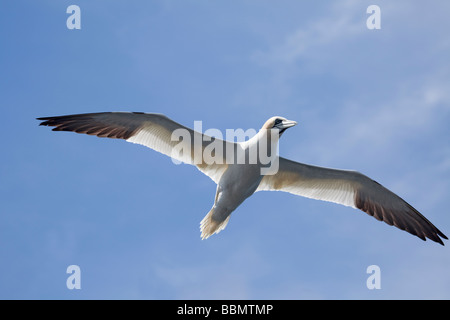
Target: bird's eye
[277,121]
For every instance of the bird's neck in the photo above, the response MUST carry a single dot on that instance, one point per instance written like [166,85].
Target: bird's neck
[265,142]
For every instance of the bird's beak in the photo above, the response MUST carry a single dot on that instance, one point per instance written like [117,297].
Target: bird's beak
[287,124]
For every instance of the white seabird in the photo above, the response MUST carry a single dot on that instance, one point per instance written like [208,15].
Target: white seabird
[236,181]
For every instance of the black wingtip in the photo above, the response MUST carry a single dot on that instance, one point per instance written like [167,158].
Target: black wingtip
[44,120]
[438,236]
[439,240]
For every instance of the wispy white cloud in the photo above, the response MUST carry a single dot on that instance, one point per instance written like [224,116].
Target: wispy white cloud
[341,23]
[378,108]
[402,116]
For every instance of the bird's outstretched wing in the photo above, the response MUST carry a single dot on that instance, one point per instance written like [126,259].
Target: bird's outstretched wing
[352,189]
[152,130]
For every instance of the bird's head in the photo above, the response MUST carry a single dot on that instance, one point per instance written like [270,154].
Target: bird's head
[279,123]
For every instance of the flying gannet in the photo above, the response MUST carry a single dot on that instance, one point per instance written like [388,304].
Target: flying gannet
[238,179]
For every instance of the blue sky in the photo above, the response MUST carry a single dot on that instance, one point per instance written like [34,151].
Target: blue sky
[376,101]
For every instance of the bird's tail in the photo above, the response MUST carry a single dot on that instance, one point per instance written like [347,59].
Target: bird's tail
[209,226]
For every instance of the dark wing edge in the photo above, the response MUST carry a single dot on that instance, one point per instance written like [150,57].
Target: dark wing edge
[404,216]
[94,124]
[354,189]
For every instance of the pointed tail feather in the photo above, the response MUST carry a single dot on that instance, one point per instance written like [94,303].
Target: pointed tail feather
[209,226]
